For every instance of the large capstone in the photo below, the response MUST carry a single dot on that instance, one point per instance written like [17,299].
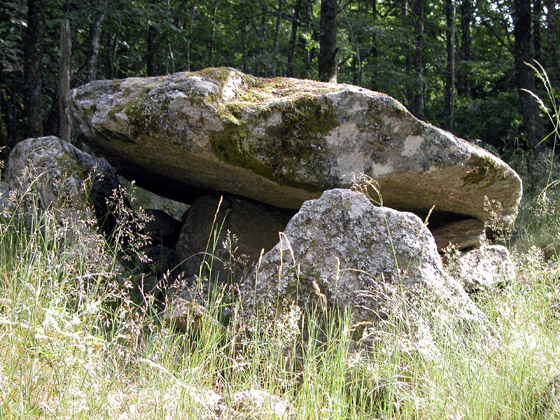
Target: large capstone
[283,141]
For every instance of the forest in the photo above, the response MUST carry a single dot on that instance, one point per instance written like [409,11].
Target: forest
[100,317]
[458,64]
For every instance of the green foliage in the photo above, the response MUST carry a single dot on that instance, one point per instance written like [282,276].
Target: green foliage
[192,35]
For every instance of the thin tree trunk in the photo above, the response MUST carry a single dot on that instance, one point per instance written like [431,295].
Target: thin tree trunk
[213,35]
[463,82]
[309,51]
[405,15]
[16,109]
[293,38]
[33,53]
[262,32]
[420,14]
[244,37]
[64,131]
[373,49]
[151,48]
[358,71]
[552,52]
[9,118]
[8,81]
[537,14]
[171,57]
[112,49]
[524,75]
[450,13]
[94,42]
[328,68]
[189,41]
[277,36]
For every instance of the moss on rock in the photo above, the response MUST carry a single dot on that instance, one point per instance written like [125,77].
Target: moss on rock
[298,137]
[485,169]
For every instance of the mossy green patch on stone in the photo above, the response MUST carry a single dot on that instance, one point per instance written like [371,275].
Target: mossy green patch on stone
[230,144]
[483,169]
[147,115]
[298,138]
[67,165]
[475,175]
[109,135]
[115,110]
[219,74]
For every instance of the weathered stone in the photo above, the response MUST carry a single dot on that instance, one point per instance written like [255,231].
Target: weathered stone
[58,172]
[341,251]
[254,225]
[49,174]
[462,234]
[144,199]
[283,141]
[162,228]
[482,267]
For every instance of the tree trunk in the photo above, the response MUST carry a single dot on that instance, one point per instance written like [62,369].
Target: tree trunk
[293,37]
[94,42]
[524,75]
[244,37]
[277,36]
[213,35]
[7,110]
[552,53]
[33,52]
[64,79]
[450,12]
[189,41]
[309,51]
[262,35]
[405,16]
[327,41]
[112,48]
[373,49]
[463,82]
[151,48]
[537,14]
[418,95]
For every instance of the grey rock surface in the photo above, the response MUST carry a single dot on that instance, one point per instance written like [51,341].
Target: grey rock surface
[341,251]
[283,141]
[49,174]
[143,199]
[483,267]
[252,227]
[462,234]
[59,172]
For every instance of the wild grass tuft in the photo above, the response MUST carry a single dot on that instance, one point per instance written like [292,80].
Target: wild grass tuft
[74,344]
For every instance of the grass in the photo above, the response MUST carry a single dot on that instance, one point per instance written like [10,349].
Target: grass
[75,344]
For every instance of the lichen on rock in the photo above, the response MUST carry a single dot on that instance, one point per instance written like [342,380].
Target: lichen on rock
[282,141]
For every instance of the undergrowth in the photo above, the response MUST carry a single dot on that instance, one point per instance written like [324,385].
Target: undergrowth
[74,344]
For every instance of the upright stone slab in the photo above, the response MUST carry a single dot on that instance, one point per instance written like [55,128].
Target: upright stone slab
[341,251]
